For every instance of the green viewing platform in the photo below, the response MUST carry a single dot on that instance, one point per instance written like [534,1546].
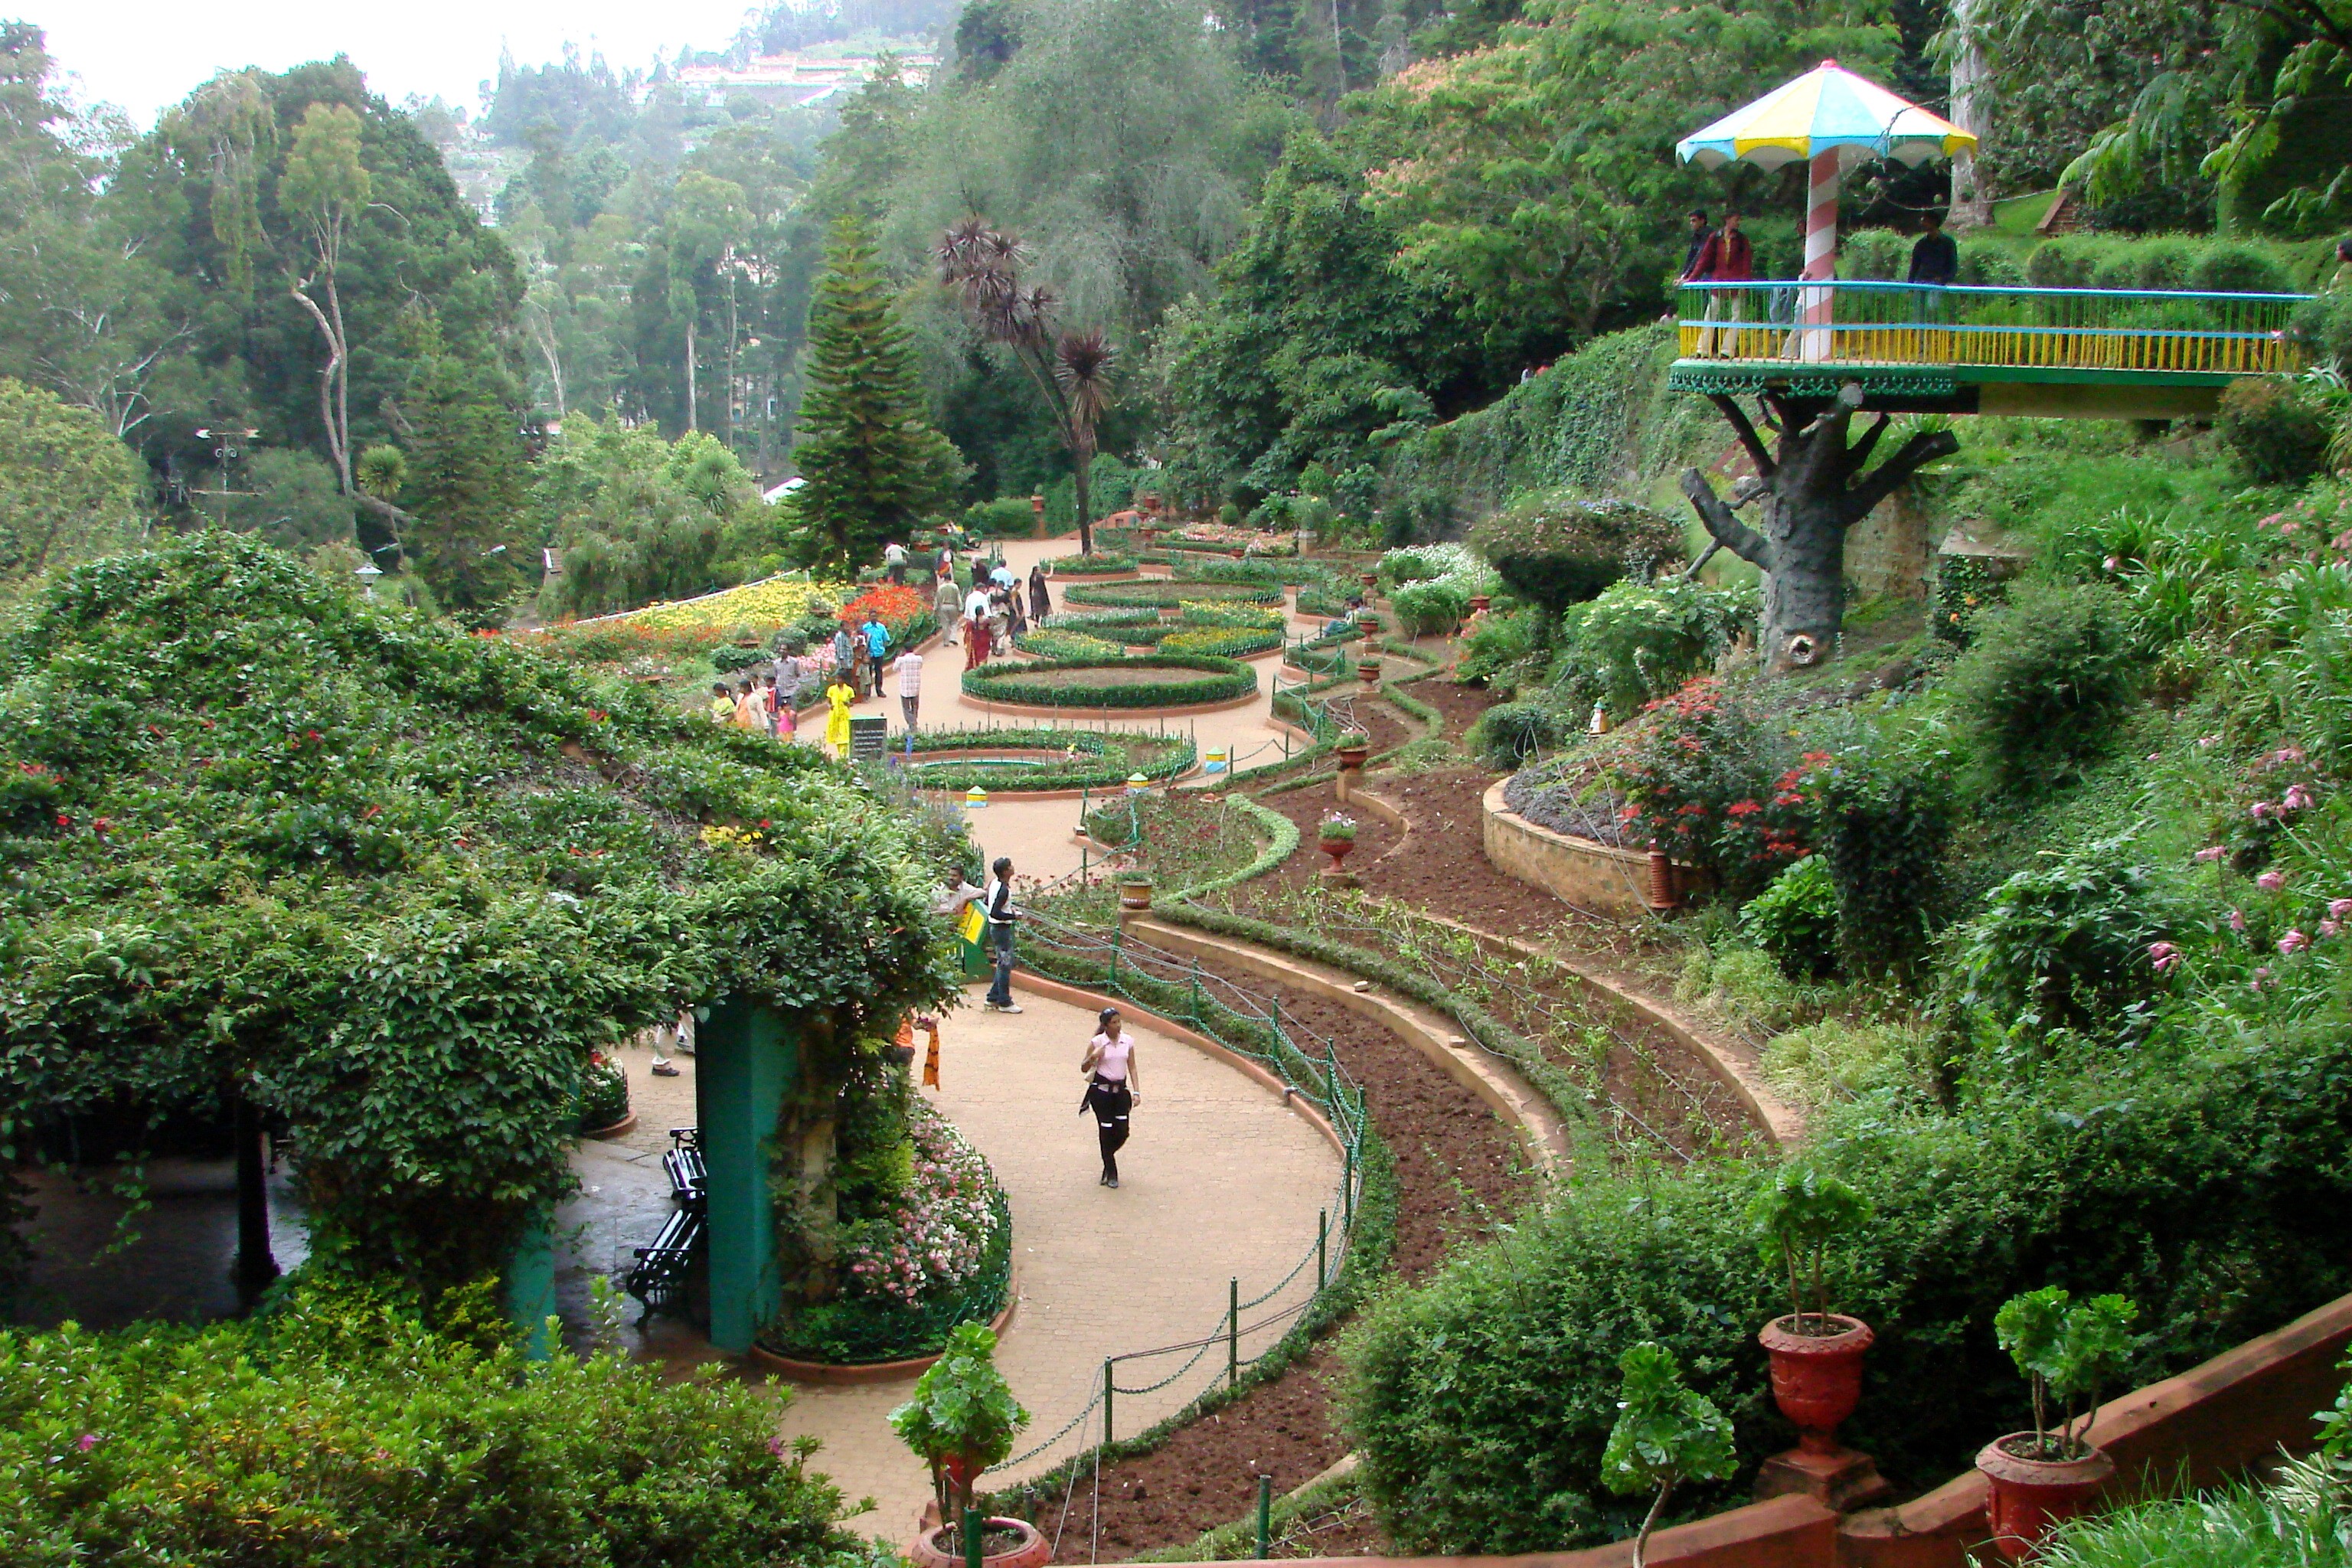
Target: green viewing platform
[2095,353]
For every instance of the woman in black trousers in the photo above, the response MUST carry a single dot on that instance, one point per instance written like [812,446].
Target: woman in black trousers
[1113,1090]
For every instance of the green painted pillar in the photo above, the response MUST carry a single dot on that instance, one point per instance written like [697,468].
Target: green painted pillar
[747,1058]
[531,1287]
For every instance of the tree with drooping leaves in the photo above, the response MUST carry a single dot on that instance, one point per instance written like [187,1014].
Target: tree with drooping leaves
[874,466]
[1666,1434]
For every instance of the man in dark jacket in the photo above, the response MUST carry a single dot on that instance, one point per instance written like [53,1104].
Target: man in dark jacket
[1725,256]
[1935,258]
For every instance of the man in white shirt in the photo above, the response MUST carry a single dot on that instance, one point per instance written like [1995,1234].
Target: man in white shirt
[894,561]
[910,666]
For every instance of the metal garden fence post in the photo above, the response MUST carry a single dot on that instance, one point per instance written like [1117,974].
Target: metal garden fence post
[1322,1248]
[1232,1330]
[1108,1389]
[972,1553]
[1265,1512]
[1348,1187]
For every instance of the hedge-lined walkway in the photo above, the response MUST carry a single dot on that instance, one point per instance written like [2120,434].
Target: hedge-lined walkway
[1220,1181]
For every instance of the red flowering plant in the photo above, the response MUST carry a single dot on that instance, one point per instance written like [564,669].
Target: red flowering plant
[1707,780]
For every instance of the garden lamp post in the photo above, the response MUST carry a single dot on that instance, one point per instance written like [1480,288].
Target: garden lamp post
[367,571]
[1835,121]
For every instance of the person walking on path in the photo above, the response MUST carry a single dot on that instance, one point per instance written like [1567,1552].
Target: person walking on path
[947,604]
[1016,622]
[877,647]
[894,562]
[843,696]
[844,656]
[909,669]
[1041,602]
[1113,1087]
[975,615]
[1002,913]
[751,713]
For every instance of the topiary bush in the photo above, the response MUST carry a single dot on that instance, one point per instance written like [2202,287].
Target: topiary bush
[337,1430]
[1007,517]
[1155,595]
[1509,733]
[2278,430]
[2043,683]
[1636,642]
[1095,566]
[1430,608]
[1552,550]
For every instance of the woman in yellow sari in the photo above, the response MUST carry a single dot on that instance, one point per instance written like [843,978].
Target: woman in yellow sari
[841,695]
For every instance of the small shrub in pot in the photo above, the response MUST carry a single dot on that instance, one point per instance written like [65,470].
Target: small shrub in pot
[1666,1434]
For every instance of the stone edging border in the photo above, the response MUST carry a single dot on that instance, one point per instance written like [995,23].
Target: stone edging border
[1508,1096]
[1079,996]
[1498,817]
[829,1375]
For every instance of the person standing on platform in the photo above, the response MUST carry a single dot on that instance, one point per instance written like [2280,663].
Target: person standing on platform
[1113,1088]
[1725,258]
[1935,256]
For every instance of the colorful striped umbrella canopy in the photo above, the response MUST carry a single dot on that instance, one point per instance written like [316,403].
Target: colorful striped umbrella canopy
[1827,108]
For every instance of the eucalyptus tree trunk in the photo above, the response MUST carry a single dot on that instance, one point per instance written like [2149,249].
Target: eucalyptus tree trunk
[1815,489]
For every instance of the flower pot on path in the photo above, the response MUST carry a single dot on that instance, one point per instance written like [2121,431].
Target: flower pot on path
[943,1547]
[2027,1498]
[1367,670]
[1816,1381]
[1135,894]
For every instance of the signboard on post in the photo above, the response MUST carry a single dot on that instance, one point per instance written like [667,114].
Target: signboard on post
[868,738]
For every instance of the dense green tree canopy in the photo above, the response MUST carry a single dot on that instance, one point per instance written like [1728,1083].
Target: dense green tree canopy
[69,489]
[637,517]
[395,882]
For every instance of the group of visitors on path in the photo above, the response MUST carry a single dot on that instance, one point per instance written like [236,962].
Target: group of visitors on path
[992,614]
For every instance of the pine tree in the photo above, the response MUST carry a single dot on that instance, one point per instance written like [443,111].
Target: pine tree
[464,486]
[872,463]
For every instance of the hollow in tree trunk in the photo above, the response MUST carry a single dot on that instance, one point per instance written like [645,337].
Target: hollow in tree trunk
[1814,491]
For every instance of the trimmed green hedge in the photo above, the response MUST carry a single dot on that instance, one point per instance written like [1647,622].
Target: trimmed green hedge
[1192,680]
[1105,758]
[1095,566]
[1054,642]
[1225,642]
[1155,595]
[1281,843]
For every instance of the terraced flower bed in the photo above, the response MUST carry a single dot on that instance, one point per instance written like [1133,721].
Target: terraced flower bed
[1041,759]
[1168,595]
[1159,680]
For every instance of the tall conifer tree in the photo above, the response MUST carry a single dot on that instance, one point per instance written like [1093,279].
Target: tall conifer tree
[874,465]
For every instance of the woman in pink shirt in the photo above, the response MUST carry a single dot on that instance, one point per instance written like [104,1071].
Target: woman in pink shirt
[1112,1087]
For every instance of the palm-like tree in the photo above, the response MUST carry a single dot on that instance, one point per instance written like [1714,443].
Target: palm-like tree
[1071,370]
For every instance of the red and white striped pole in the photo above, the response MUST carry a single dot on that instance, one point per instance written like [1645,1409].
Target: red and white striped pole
[1820,253]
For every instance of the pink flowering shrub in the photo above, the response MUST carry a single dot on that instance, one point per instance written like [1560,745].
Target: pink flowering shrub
[933,1243]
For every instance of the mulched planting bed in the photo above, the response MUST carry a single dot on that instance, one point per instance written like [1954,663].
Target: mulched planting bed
[1446,1144]
[1446,871]
[1307,807]
[1462,705]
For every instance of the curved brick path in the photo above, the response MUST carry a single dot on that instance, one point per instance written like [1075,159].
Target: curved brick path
[1220,1179]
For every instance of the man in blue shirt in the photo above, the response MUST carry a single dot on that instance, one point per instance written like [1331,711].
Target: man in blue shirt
[878,646]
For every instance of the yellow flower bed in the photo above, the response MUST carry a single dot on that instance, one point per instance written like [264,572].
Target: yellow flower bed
[776,602]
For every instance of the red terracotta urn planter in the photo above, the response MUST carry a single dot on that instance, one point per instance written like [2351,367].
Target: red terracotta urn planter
[1354,753]
[1367,670]
[2026,1498]
[1816,1378]
[1015,1543]
[1371,579]
[1338,848]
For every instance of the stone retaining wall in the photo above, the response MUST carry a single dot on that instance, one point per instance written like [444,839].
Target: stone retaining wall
[1591,876]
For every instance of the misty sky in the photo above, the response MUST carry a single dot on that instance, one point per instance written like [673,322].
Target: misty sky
[143,54]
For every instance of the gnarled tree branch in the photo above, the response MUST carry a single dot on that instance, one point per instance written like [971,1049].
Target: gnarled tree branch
[1730,409]
[1917,454]
[1722,526]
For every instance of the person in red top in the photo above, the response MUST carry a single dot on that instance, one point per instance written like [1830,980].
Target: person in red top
[1726,256]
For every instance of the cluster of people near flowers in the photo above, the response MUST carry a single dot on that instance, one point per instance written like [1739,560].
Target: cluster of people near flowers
[993,613]
[852,667]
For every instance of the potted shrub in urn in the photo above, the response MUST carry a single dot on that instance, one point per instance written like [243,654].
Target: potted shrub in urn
[960,1421]
[1816,1355]
[1666,1435]
[2067,1349]
[1336,836]
[1367,670]
[1355,748]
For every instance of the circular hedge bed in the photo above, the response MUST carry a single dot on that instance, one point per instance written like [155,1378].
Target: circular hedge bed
[1157,680]
[1090,565]
[1057,760]
[1156,596]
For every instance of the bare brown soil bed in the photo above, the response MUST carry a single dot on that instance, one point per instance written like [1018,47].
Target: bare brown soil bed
[1458,1171]
[1462,705]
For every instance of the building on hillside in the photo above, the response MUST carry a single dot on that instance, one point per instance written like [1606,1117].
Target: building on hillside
[794,77]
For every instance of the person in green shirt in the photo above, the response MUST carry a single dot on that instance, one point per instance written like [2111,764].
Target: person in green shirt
[722,706]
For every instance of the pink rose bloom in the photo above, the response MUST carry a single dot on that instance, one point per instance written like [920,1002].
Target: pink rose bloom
[2293,942]
[2297,797]
[2207,740]
[2212,852]
[2155,756]
[2329,928]
[2271,881]
[2260,809]
[2339,909]
[2164,955]
[2237,922]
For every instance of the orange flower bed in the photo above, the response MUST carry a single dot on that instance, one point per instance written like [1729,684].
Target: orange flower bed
[889,603]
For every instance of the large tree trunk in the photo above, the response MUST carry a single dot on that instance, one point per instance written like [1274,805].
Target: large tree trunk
[1812,497]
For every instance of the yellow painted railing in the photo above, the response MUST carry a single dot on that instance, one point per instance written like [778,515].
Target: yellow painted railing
[1878,323]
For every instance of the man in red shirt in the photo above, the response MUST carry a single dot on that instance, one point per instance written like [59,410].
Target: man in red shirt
[1725,257]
